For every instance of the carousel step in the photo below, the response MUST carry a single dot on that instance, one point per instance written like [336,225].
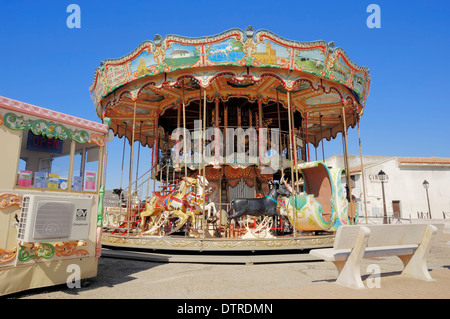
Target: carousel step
[199,257]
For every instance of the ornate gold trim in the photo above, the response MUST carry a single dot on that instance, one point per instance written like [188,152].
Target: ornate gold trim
[9,199]
[219,244]
[6,256]
[70,248]
[98,139]
[37,251]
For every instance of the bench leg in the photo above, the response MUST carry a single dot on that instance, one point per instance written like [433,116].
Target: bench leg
[349,271]
[416,265]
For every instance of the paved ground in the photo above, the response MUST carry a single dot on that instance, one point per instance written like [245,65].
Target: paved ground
[125,279]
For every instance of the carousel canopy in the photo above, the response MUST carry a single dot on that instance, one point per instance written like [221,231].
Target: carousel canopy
[240,69]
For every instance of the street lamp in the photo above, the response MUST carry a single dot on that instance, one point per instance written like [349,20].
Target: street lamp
[426,185]
[382,177]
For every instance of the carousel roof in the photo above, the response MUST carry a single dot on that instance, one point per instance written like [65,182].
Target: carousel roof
[236,68]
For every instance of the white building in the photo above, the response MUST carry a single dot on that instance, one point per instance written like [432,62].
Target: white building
[405,195]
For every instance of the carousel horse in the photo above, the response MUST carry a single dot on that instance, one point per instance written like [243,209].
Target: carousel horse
[265,206]
[173,203]
[196,202]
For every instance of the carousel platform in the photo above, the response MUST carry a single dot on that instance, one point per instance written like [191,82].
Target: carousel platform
[214,250]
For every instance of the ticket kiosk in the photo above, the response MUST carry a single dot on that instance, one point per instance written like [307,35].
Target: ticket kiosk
[51,190]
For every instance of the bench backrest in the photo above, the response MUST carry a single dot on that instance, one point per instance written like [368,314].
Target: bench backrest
[383,235]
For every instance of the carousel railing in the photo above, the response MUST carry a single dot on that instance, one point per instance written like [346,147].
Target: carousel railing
[123,218]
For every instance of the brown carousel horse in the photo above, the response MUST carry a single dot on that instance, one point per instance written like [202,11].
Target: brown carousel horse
[173,203]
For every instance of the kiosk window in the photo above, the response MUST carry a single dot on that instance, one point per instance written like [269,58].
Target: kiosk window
[85,168]
[44,162]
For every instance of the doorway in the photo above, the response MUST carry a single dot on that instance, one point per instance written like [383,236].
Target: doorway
[396,208]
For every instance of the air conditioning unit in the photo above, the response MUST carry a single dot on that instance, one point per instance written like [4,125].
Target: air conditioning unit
[52,218]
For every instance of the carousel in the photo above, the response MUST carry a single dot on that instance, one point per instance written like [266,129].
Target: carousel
[231,120]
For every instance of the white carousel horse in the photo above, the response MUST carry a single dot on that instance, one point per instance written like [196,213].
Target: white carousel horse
[199,199]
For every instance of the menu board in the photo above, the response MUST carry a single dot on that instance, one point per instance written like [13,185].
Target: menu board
[53,181]
[90,181]
[77,183]
[25,178]
[40,179]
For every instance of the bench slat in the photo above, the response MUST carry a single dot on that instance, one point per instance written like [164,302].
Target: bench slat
[331,254]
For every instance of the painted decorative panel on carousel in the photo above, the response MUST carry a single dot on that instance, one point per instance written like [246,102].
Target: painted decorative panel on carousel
[234,47]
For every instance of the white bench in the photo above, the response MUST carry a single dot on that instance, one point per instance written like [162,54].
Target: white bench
[411,243]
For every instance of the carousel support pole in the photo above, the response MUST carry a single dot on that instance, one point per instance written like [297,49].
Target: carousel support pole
[260,113]
[139,155]
[306,132]
[217,127]
[121,172]
[304,154]
[291,161]
[279,128]
[178,123]
[346,165]
[225,118]
[225,123]
[239,116]
[290,140]
[200,143]
[155,148]
[137,166]
[294,142]
[173,174]
[153,165]
[179,115]
[203,160]
[320,119]
[130,175]
[178,126]
[148,182]
[167,175]
[184,132]
[123,154]
[216,112]
[362,173]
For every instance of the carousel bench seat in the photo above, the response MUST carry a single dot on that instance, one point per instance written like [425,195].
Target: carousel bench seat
[411,243]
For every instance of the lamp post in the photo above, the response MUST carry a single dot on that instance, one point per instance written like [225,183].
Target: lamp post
[382,177]
[426,185]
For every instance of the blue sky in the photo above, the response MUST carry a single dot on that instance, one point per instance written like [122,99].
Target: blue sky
[45,63]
